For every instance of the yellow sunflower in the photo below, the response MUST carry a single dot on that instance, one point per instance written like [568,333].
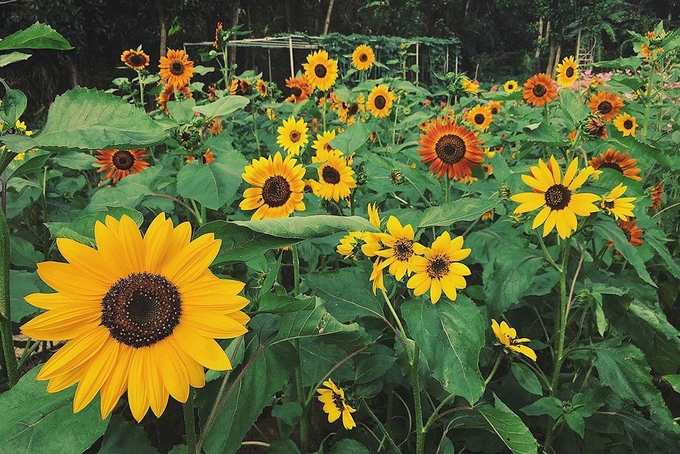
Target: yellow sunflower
[557,197]
[480,117]
[626,123]
[321,71]
[363,57]
[508,338]
[606,104]
[619,207]
[618,161]
[511,86]
[139,313]
[539,90]
[292,135]
[277,189]
[451,149]
[176,68]
[470,86]
[377,277]
[439,270]
[348,244]
[495,107]
[348,111]
[336,177]
[334,404]
[567,72]
[135,59]
[399,254]
[261,87]
[323,141]
[380,101]
[121,163]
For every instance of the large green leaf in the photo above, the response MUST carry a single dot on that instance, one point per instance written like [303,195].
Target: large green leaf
[352,138]
[317,226]
[33,421]
[635,148]
[32,163]
[467,209]
[125,436]
[349,446]
[86,119]
[23,283]
[451,336]
[13,106]
[509,427]
[81,229]
[543,133]
[213,185]
[223,106]
[608,230]
[573,108]
[37,36]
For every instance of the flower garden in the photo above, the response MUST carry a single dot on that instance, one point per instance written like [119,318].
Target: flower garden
[343,263]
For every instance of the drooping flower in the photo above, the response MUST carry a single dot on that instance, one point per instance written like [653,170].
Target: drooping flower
[450,148]
[567,72]
[614,204]
[556,195]
[334,404]
[336,177]
[121,163]
[632,231]
[363,57]
[439,269]
[606,104]
[618,161]
[176,68]
[239,87]
[539,90]
[139,313]
[277,187]
[655,196]
[626,123]
[321,71]
[480,117]
[470,86]
[380,101]
[135,59]
[511,86]
[508,338]
[292,135]
[261,86]
[596,127]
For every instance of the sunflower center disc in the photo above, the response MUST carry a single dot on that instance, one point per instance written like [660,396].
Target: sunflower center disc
[294,136]
[380,102]
[123,160]
[557,197]
[141,309]
[320,71]
[628,124]
[403,249]
[608,205]
[353,109]
[330,175]
[338,401]
[296,91]
[363,58]
[177,68]
[611,165]
[479,119]
[569,72]
[539,90]
[438,267]
[137,60]
[450,148]
[605,107]
[276,191]
[494,110]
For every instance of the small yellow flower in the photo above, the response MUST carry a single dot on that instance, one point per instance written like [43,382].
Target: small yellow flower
[292,135]
[508,337]
[626,123]
[619,207]
[334,404]
[470,86]
[348,244]
[511,86]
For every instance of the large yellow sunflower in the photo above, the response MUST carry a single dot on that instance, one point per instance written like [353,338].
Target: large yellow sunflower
[380,101]
[292,135]
[606,104]
[618,161]
[439,270]
[626,123]
[176,68]
[140,314]
[399,254]
[451,149]
[557,197]
[277,189]
[480,117]
[567,72]
[320,70]
[334,404]
[363,57]
[121,163]
[336,177]
[135,59]
[619,207]
[539,90]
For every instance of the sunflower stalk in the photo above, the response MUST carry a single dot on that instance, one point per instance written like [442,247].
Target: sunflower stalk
[493,371]
[5,310]
[382,427]
[141,89]
[190,423]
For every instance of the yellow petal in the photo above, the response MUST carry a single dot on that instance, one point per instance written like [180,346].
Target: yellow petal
[203,350]
[212,324]
[435,290]
[117,383]
[74,353]
[172,371]
[137,392]
[59,276]
[192,261]
[62,324]
[158,396]
[96,374]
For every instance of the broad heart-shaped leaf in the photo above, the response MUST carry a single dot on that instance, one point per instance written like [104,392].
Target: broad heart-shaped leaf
[509,427]
[125,436]
[13,105]
[317,226]
[632,63]
[33,421]
[37,36]
[608,230]
[451,336]
[223,106]
[213,185]
[635,148]
[84,119]
[352,138]
[467,209]
[543,133]
[267,375]
[13,57]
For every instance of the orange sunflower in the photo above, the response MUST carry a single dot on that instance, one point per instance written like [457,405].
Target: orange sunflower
[451,149]
[172,93]
[618,161]
[176,68]
[135,59]
[539,90]
[606,104]
[299,89]
[121,163]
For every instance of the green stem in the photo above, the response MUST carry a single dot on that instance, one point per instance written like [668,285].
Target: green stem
[394,314]
[415,382]
[190,424]
[367,407]
[648,104]
[5,312]
[323,112]
[304,438]
[548,257]
[493,371]
[420,193]
[435,415]
[447,189]
[141,89]
[257,136]
[296,269]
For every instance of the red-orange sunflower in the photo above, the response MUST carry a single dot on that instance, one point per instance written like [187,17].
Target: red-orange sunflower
[539,90]
[172,93]
[451,149]
[299,89]
[121,163]
[606,104]
[618,161]
[176,68]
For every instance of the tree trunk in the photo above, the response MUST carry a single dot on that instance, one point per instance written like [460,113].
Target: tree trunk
[234,23]
[327,23]
[557,61]
[163,28]
[539,39]
[551,55]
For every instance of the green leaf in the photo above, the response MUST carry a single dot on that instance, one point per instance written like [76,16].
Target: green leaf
[349,446]
[674,381]
[13,57]
[526,378]
[509,427]
[37,36]
[81,229]
[352,138]
[289,412]
[551,406]
[658,245]
[84,119]
[635,148]
[223,106]
[13,106]
[33,162]
[76,160]
[23,283]
[632,63]
[213,185]
[543,133]
[372,368]
[270,302]
[576,423]
[451,336]
[573,108]
[608,230]
[283,447]
[182,111]
[125,436]
[34,421]
[317,226]
[467,209]
[22,253]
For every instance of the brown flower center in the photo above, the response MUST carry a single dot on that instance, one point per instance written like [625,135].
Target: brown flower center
[296,91]
[123,160]
[438,266]
[137,60]
[353,109]
[628,124]
[604,107]
[380,102]
[450,148]
[338,401]
[494,110]
[276,191]
[479,119]
[363,58]
[539,90]
[177,68]
[294,136]
[557,197]
[141,309]
[403,249]
[611,165]
[320,71]
[569,72]
[330,175]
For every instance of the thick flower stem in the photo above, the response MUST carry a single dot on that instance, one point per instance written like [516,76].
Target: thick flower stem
[190,424]
[382,427]
[493,371]
[296,269]
[5,313]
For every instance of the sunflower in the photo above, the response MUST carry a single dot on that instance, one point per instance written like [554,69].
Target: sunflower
[632,232]
[606,104]
[176,68]
[508,338]
[261,86]
[399,254]
[596,127]
[320,70]
[348,244]
[322,141]
[655,196]
[363,57]
[239,87]
[614,204]
[495,107]
[439,268]
[469,86]
[140,314]
[618,161]
[172,93]
[511,86]
[380,101]
[292,135]
[348,112]
[480,117]
[377,277]
[299,89]
[334,404]
[277,189]
[451,149]
[539,90]
[557,197]
[208,157]
[567,72]
[135,59]
[626,123]
[214,125]
[121,163]
[336,177]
